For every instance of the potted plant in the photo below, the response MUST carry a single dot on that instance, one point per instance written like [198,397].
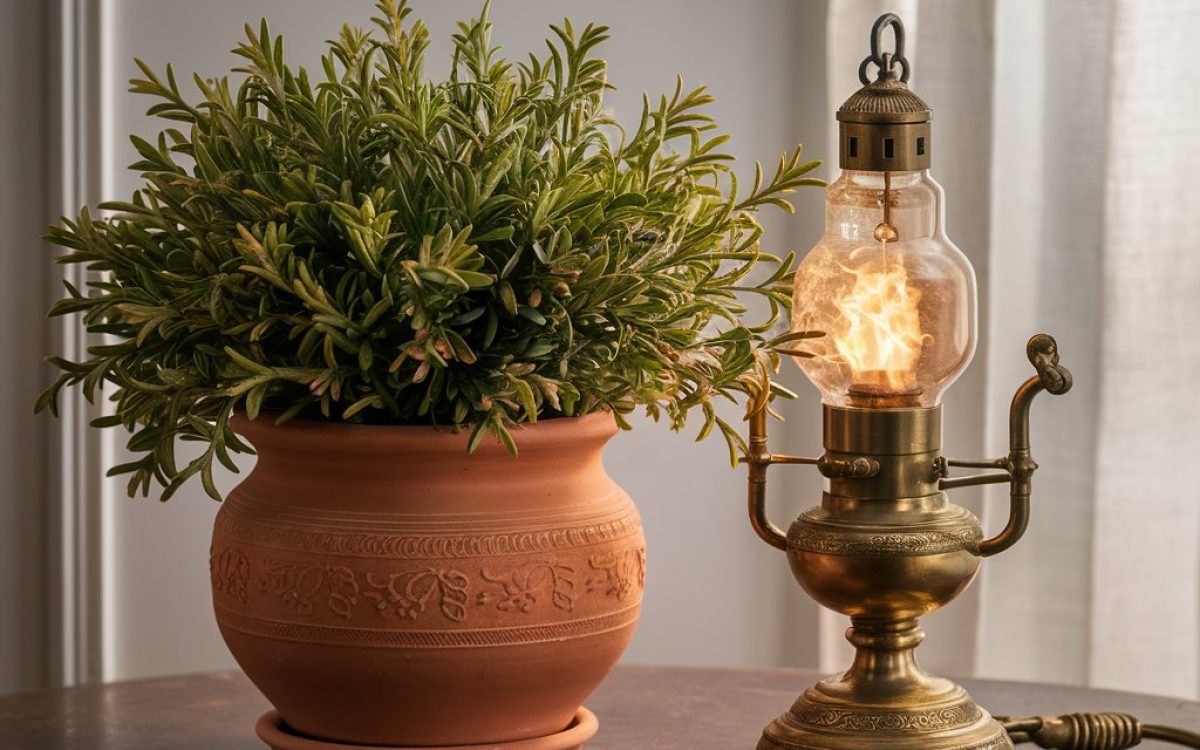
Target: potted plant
[368,276]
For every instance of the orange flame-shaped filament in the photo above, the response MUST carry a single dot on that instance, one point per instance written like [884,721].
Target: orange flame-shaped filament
[880,339]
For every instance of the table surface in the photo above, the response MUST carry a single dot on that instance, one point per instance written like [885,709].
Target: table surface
[640,708]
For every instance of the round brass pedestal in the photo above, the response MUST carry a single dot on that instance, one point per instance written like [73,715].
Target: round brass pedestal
[885,701]
[954,722]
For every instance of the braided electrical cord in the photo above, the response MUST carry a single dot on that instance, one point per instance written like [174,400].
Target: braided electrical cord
[1092,731]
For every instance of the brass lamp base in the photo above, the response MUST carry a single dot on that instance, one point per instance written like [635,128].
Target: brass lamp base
[909,711]
[956,724]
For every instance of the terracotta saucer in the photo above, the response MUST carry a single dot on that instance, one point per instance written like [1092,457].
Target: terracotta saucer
[279,736]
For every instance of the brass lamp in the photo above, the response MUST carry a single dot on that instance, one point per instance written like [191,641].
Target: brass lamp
[890,302]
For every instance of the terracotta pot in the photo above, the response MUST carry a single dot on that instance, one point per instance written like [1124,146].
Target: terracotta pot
[381,586]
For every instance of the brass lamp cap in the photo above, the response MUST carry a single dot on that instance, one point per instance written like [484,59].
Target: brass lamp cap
[884,126]
[888,100]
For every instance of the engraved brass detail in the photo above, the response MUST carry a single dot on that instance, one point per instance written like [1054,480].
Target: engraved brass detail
[773,743]
[904,543]
[858,719]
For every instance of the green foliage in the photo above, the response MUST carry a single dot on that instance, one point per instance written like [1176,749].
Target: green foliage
[375,247]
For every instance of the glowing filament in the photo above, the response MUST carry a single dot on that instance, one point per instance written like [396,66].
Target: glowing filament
[881,336]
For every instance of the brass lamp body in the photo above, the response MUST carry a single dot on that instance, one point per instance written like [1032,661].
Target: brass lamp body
[886,545]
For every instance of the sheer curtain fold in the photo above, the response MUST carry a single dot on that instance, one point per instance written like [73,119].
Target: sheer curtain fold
[1145,621]
[1068,141]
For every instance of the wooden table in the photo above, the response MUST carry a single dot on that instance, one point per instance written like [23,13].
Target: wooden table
[640,708]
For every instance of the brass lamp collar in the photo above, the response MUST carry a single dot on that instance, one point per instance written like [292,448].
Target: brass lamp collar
[884,126]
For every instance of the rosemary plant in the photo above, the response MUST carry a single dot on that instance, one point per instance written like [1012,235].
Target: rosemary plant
[367,245]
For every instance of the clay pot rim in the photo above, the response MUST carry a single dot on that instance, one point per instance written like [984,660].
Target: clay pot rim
[311,434]
[270,730]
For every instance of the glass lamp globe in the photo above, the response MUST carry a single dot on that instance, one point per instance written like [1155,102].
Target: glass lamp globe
[893,297]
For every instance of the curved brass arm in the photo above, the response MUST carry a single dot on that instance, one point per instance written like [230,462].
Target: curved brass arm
[758,458]
[1056,380]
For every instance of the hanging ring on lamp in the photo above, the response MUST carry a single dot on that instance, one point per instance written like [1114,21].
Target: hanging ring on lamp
[885,61]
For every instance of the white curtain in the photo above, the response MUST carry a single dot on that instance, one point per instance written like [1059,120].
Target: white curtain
[1067,135]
